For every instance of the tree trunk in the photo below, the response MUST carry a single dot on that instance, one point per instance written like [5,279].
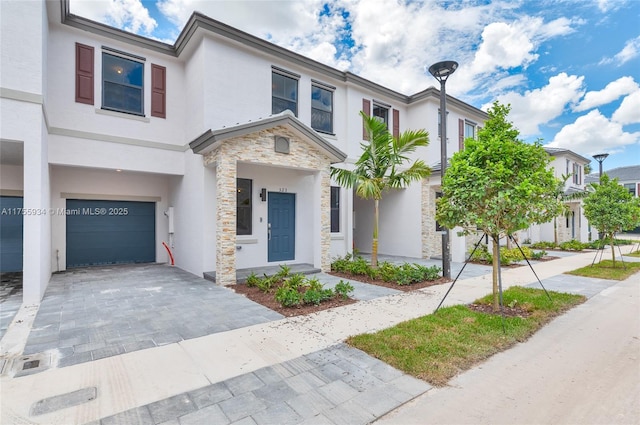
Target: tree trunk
[496,257]
[374,246]
[613,251]
[555,230]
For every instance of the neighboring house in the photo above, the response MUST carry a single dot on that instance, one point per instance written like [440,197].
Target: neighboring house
[219,145]
[573,225]
[629,177]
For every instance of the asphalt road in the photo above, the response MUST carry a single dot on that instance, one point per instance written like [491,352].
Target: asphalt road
[582,368]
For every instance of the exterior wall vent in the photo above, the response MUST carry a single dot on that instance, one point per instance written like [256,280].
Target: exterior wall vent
[281,144]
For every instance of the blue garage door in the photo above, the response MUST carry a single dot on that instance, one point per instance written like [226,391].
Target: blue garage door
[10,234]
[110,232]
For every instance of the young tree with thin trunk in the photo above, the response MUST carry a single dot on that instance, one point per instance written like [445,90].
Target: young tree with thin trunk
[498,184]
[381,167]
[610,208]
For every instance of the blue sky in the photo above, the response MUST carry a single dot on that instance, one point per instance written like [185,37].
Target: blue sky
[569,68]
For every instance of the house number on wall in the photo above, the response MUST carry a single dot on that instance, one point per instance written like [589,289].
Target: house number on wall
[283,189]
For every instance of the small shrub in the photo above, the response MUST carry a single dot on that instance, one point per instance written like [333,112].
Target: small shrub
[314,284]
[288,296]
[315,297]
[572,245]
[295,281]
[543,245]
[343,289]
[359,266]
[341,264]
[253,280]
[266,283]
[429,273]
[387,271]
[482,255]
[283,272]
[538,255]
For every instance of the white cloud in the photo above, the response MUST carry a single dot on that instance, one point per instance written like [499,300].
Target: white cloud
[129,15]
[593,133]
[503,46]
[620,87]
[629,110]
[540,106]
[631,50]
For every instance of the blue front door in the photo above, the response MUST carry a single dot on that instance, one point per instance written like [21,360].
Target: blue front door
[281,226]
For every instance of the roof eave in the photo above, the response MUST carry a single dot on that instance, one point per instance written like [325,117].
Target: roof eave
[207,141]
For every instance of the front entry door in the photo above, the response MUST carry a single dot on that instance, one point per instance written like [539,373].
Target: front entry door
[281,226]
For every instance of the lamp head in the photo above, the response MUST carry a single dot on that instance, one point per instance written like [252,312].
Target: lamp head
[442,70]
[600,157]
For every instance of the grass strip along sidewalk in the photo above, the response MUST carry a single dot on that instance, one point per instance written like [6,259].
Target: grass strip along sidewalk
[605,270]
[437,347]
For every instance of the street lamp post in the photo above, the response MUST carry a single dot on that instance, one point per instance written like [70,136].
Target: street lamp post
[600,157]
[441,71]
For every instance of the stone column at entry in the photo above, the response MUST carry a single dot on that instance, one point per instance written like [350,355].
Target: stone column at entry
[226,171]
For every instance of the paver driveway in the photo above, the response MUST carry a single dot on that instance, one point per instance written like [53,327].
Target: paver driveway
[91,313]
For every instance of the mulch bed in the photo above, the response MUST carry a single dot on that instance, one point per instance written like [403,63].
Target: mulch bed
[267,299]
[392,285]
[506,310]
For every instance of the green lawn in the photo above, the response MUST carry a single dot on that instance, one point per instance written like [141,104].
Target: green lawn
[438,346]
[635,254]
[604,270]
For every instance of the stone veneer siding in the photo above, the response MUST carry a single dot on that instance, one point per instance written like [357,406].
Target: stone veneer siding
[258,148]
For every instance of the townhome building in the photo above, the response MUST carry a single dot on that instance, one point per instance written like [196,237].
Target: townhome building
[212,153]
[568,167]
[628,176]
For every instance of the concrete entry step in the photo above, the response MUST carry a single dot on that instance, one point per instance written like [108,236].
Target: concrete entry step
[242,274]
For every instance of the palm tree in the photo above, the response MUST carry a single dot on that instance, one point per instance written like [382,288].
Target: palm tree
[378,168]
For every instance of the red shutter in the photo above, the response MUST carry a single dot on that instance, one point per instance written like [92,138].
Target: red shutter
[460,134]
[84,74]
[158,91]
[396,123]
[366,108]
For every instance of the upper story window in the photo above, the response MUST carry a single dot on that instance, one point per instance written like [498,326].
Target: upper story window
[382,113]
[631,187]
[577,173]
[321,109]
[469,130]
[284,91]
[122,81]
[122,84]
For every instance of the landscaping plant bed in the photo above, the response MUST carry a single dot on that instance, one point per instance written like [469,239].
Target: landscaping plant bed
[267,300]
[392,285]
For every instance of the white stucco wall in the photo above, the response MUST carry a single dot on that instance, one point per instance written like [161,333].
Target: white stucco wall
[400,223]
[11,177]
[188,194]
[82,152]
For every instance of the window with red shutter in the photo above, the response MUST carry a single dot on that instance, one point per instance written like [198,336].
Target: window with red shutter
[158,91]
[460,134]
[84,74]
